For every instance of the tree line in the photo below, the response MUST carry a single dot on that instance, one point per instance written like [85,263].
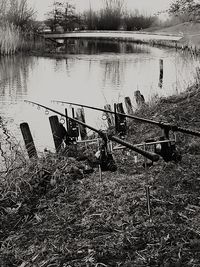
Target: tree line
[114,16]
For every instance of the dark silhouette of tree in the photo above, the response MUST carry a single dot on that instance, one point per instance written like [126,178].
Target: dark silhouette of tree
[17,12]
[54,16]
[63,14]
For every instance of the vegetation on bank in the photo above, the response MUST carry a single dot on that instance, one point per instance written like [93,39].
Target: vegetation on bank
[17,27]
[53,214]
[10,38]
[113,15]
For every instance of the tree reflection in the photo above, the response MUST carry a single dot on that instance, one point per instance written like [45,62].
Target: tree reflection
[91,46]
[14,73]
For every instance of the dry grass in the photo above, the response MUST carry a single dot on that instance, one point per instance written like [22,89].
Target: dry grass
[189,31]
[52,214]
[13,40]
[10,39]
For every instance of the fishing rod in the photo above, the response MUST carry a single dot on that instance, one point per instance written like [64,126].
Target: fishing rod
[165,126]
[150,155]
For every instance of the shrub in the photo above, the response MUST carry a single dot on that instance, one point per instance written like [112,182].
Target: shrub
[135,21]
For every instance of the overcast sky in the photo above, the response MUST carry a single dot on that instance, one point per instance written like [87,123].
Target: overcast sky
[147,6]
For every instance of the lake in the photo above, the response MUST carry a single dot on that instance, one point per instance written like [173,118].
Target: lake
[90,72]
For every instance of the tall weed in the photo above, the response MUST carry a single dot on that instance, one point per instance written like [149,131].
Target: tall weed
[13,39]
[10,40]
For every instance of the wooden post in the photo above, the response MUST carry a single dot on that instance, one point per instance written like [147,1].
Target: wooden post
[120,108]
[73,113]
[57,132]
[128,104]
[121,120]
[28,140]
[116,119]
[139,98]
[161,74]
[81,117]
[73,127]
[67,120]
[109,116]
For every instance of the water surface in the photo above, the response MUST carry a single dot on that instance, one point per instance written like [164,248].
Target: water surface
[91,72]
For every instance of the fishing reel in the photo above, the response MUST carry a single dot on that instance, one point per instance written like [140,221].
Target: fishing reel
[167,150]
[73,129]
[120,125]
[105,158]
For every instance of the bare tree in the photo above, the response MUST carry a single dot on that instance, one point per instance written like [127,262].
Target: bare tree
[62,14]
[20,14]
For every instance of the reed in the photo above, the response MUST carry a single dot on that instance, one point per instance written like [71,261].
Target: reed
[13,39]
[10,39]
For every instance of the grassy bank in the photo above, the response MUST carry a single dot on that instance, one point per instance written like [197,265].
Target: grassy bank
[189,31]
[52,214]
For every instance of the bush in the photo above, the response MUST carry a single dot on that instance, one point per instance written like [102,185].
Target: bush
[136,21]
[108,18]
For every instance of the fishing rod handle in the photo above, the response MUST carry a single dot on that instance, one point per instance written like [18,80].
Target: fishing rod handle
[175,128]
[186,131]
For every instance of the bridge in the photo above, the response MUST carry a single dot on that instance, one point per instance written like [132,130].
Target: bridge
[116,35]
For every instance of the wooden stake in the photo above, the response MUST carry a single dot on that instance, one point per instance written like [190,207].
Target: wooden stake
[57,131]
[121,120]
[120,108]
[148,200]
[147,189]
[81,117]
[28,140]
[100,173]
[109,116]
[67,120]
[128,104]
[116,119]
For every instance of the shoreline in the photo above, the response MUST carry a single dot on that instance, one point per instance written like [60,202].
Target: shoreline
[175,41]
[69,215]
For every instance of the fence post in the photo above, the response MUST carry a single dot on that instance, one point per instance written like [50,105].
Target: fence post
[81,117]
[57,131]
[128,104]
[28,140]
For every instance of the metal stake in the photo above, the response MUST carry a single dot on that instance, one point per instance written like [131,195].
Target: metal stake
[147,188]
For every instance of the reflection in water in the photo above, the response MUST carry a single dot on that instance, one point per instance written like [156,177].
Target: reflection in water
[113,72]
[14,72]
[91,47]
[99,73]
